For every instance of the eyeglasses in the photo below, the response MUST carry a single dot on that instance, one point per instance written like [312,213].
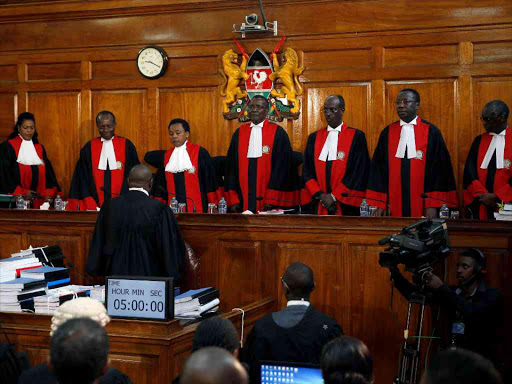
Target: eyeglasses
[488,118]
[404,102]
[284,283]
[332,110]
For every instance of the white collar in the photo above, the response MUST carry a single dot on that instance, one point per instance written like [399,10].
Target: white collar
[298,302]
[338,128]
[27,154]
[330,148]
[179,160]
[255,149]
[139,189]
[497,145]
[412,122]
[107,155]
[259,125]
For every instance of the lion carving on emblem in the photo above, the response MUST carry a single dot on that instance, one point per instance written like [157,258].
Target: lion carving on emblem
[289,74]
[232,75]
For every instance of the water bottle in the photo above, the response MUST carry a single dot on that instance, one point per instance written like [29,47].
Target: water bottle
[223,206]
[174,206]
[364,209]
[444,212]
[20,202]
[58,203]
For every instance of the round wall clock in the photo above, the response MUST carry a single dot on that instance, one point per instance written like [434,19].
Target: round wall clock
[152,62]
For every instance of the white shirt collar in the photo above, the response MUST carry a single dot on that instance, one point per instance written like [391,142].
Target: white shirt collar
[497,146]
[260,125]
[298,302]
[338,128]
[179,160]
[140,190]
[27,154]
[255,149]
[107,155]
[412,122]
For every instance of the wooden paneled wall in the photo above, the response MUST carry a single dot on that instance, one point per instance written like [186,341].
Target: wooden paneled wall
[66,61]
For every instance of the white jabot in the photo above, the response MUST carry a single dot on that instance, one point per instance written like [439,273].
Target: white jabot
[139,189]
[497,145]
[330,148]
[407,140]
[255,141]
[298,302]
[27,154]
[107,156]
[180,160]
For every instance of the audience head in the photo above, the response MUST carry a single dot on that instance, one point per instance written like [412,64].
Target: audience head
[106,124]
[213,365]
[258,109]
[298,282]
[79,351]
[25,127]
[80,307]
[494,116]
[334,107]
[179,131]
[216,332]
[140,176]
[458,366]
[346,360]
[407,104]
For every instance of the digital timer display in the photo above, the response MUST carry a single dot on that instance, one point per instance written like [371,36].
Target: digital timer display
[140,298]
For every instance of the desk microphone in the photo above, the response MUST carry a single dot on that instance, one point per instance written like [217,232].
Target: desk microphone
[72,266]
[194,210]
[345,194]
[424,196]
[260,198]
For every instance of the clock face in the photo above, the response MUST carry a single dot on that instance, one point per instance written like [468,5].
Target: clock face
[152,62]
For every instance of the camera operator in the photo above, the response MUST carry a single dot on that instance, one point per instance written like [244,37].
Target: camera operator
[474,313]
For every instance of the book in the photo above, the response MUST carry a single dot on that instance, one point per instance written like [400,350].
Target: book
[196,302]
[192,294]
[201,309]
[46,273]
[23,283]
[37,265]
[13,263]
[58,283]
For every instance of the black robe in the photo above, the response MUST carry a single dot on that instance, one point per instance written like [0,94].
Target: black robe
[90,187]
[17,179]
[347,174]
[477,181]
[196,188]
[401,182]
[267,180]
[136,235]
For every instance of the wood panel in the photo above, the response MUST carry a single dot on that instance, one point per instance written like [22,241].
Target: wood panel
[421,55]
[54,71]
[8,109]
[8,73]
[198,107]
[57,121]
[10,242]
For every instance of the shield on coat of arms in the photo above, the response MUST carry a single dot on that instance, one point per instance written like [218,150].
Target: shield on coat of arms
[259,69]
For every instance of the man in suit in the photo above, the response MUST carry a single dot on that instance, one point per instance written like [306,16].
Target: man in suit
[136,235]
[295,334]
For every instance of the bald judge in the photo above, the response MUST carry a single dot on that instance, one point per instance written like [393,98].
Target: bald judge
[136,235]
[101,170]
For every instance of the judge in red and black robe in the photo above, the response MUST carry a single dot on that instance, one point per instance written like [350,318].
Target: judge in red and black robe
[102,168]
[411,160]
[258,164]
[187,172]
[488,172]
[24,166]
[336,164]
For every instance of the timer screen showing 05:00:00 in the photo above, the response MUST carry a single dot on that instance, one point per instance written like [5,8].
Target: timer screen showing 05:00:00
[138,305]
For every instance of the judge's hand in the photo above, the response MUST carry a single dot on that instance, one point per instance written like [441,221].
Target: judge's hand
[431,213]
[489,199]
[235,208]
[327,201]
[380,212]
[30,195]
[432,281]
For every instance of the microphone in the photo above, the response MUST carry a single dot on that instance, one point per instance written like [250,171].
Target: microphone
[345,194]
[424,196]
[72,266]
[260,198]
[194,210]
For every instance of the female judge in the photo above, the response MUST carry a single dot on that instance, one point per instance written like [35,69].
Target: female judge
[187,171]
[25,168]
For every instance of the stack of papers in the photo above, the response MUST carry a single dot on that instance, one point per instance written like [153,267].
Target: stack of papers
[12,266]
[196,303]
[505,213]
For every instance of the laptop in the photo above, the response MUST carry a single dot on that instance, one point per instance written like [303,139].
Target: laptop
[277,372]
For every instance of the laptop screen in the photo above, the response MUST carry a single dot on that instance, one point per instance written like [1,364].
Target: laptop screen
[275,372]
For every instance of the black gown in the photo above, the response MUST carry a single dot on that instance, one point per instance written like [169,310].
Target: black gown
[136,235]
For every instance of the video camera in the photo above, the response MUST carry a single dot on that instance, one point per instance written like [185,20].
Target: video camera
[417,247]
